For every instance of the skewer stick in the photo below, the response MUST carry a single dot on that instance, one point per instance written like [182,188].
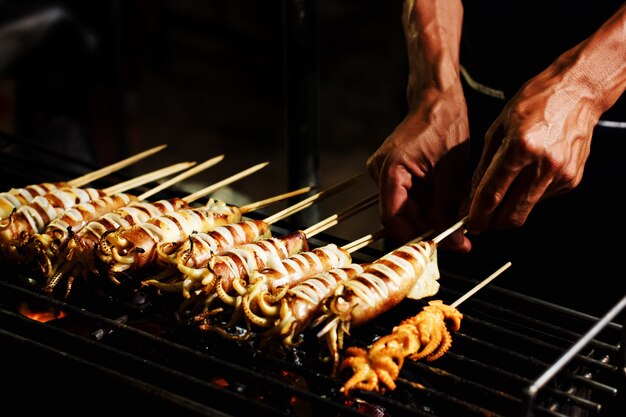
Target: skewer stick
[360,243]
[146,178]
[310,200]
[103,172]
[208,190]
[262,203]
[481,284]
[449,231]
[342,215]
[193,171]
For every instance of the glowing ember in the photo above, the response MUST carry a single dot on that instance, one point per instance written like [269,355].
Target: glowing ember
[220,382]
[42,316]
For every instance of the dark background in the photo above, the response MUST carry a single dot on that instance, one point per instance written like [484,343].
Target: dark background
[107,79]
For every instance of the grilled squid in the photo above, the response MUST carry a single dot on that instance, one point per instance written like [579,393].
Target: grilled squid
[43,248]
[230,271]
[409,271]
[302,303]
[192,258]
[423,336]
[17,197]
[134,248]
[77,258]
[33,217]
[270,284]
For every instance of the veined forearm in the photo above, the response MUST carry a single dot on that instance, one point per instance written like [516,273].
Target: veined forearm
[598,64]
[433,35]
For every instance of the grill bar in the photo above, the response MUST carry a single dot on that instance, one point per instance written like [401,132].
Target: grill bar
[507,341]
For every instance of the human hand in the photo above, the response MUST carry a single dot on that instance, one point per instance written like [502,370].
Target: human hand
[535,149]
[420,169]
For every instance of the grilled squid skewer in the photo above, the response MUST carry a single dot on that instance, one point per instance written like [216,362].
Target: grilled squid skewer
[270,284]
[410,271]
[230,271]
[423,336]
[134,249]
[189,262]
[411,268]
[301,304]
[17,197]
[78,257]
[43,248]
[193,257]
[248,282]
[33,217]
[426,335]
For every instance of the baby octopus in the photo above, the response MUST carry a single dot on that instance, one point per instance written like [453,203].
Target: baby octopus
[423,336]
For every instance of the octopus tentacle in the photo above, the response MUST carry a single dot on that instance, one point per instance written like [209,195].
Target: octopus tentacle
[424,336]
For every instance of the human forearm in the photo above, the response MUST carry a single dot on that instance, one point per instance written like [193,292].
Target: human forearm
[433,33]
[595,69]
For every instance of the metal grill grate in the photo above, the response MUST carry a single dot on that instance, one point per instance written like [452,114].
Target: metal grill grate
[113,353]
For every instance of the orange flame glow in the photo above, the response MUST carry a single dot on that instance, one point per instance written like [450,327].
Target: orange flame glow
[41,316]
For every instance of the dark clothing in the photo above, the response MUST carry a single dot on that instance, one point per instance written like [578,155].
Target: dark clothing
[569,250]
[504,44]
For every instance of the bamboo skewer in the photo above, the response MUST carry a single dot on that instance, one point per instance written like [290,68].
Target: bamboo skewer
[342,215]
[480,285]
[408,340]
[103,172]
[315,197]
[208,190]
[263,203]
[146,178]
[456,226]
[193,171]
[360,243]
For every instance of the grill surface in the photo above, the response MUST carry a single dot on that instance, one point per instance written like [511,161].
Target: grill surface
[127,352]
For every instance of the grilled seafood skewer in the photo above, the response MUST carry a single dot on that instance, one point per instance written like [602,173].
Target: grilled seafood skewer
[17,197]
[193,257]
[423,336]
[135,248]
[42,249]
[409,271]
[232,267]
[34,217]
[267,286]
[188,263]
[77,258]
[80,256]
[239,275]
[55,235]
[301,304]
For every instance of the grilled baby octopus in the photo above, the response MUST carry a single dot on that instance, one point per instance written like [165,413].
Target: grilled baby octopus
[423,336]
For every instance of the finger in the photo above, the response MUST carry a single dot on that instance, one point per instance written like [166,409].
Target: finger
[525,192]
[450,189]
[456,242]
[492,189]
[373,167]
[397,208]
[489,151]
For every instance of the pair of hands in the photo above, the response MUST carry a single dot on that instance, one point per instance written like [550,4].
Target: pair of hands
[535,149]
